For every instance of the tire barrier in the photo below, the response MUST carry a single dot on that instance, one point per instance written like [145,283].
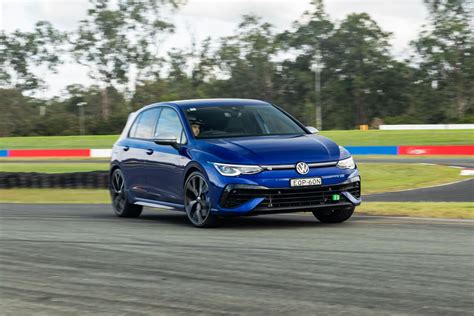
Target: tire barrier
[75,180]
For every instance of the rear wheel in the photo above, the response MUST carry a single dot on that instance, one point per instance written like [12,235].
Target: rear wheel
[197,201]
[122,207]
[337,215]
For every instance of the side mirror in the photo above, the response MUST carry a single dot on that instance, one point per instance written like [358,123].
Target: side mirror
[313,130]
[168,141]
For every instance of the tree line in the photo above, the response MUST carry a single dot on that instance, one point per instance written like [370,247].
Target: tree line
[361,81]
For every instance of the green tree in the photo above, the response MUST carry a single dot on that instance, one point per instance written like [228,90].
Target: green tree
[360,80]
[296,91]
[445,51]
[16,113]
[118,39]
[95,124]
[21,51]
[370,83]
[183,80]
[246,60]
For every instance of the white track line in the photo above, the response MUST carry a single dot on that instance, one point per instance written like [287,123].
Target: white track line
[455,220]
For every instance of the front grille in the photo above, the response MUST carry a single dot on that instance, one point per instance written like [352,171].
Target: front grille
[289,197]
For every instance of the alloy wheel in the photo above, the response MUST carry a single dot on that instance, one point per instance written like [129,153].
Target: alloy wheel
[119,197]
[197,201]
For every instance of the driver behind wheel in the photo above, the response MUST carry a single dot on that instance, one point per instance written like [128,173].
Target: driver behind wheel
[195,126]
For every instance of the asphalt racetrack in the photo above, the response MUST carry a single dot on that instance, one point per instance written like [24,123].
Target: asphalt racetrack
[455,162]
[60,259]
[462,191]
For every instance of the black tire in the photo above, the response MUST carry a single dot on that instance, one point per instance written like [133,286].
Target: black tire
[197,201]
[118,192]
[337,215]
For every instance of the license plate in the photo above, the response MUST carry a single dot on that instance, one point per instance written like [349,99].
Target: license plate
[305,182]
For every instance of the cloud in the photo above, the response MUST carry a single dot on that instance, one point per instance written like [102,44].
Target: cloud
[403,18]
[278,12]
[23,14]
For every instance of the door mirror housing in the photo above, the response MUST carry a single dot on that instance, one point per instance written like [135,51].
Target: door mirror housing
[313,130]
[167,141]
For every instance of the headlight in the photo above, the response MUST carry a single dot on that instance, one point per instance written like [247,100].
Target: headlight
[235,170]
[347,163]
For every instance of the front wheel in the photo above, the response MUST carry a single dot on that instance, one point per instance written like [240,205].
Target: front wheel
[337,215]
[198,202]
[122,207]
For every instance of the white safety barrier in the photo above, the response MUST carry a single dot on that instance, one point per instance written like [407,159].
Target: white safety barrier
[101,153]
[467,172]
[424,126]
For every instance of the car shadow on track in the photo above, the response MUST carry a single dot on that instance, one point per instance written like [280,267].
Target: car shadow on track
[250,222]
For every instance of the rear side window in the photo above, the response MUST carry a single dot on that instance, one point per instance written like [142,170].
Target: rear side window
[144,125]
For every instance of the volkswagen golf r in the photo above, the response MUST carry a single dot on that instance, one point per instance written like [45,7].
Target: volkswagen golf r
[229,157]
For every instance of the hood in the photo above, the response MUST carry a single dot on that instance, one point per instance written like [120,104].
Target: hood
[272,150]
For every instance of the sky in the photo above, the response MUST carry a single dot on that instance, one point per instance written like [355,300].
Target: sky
[199,19]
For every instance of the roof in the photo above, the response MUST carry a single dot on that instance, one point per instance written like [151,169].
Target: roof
[211,102]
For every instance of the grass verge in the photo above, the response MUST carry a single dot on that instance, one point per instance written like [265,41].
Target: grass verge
[54,196]
[58,142]
[419,209]
[343,138]
[379,178]
[401,138]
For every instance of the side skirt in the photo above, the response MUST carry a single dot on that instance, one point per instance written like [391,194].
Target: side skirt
[160,204]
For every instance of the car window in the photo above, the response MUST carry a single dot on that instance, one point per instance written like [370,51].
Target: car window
[144,125]
[169,125]
[274,122]
[133,130]
[241,121]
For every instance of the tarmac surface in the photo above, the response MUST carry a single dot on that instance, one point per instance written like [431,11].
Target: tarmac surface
[78,259]
[456,192]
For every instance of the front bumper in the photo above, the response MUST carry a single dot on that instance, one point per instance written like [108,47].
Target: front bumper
[252,200]
[259,193]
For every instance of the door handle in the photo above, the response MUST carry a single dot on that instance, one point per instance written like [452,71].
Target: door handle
[126,148]
[149,151]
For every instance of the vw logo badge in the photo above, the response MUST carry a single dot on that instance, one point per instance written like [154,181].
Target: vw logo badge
[302,168]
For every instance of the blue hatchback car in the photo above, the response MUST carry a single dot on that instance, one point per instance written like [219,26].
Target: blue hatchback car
[229,157]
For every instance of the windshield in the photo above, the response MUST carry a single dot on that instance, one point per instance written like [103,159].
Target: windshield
[240,121]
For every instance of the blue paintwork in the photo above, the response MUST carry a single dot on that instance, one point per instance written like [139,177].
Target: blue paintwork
[271,149]
[161,176]
[3,153]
